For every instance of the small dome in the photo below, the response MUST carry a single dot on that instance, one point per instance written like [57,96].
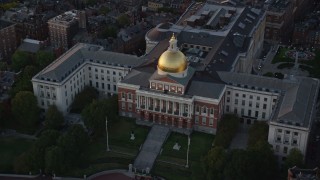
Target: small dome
[172,60]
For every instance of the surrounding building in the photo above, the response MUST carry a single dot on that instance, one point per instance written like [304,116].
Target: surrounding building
[296,173]
[82,65]
[307,33]
[280,17]
[8,40]
[64,27]
[228,38]
[154,5]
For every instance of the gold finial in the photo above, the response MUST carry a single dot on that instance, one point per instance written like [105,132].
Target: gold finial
[173,37]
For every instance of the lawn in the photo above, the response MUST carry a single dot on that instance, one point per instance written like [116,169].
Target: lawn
[123,150]
[120,130]
[11,148]
[281,56]
[200,144]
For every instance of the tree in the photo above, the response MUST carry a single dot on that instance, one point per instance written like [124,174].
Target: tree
[109,31]
[44,58]
[262,162]
[74,144]
[84,98]
[20,59]
[21,164]
[94,115]
[54,118]
[23,82]
[3,66]
[294,158]
[237,167]
[258,132]
[227,128]
[25,109]
[37,152]
[54,159]
[123,20]
[214,162]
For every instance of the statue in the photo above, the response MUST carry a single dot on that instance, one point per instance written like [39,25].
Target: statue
[176,146]
[132,136]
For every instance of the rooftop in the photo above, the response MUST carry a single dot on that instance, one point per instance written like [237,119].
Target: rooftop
[4,24]
[80,54]
[293,106]
[227,30]
[68,17]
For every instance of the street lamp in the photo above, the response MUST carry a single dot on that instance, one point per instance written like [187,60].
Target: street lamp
[108,149]
[187,165]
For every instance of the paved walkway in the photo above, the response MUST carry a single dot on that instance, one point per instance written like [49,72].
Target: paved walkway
[240,140]
[151,147]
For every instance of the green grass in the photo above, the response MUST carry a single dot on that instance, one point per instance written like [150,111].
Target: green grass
[119,134]
[123,150]
[200,144]
[281,56]
[10,149]
[168,146]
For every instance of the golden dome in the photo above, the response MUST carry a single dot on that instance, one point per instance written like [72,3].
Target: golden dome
[172,60]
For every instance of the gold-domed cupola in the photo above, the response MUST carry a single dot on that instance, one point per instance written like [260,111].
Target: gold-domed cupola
[172,60]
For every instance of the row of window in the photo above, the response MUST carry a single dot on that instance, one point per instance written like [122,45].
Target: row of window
[243,103]
[279,131]
[107,87]
[204,110]
[250,97]
[114,79]
[107,71]
[203,120]
[247,113]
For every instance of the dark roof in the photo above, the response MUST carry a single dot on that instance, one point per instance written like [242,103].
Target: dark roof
[200,38]
[4,24]
[58,70]
[29,47]
[205,89]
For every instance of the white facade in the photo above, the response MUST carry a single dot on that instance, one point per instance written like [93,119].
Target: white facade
[284,137]
[250,104]
[100,74]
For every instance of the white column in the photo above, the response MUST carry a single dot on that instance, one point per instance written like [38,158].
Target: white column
[167,107]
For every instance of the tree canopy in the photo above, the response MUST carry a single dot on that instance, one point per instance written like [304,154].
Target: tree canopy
[294,158]
[227,128]
[23,82]
[54,152]
[123,20]
[25,109]
[54,118]
[214,163]
[258,132]
[83,99]
[43,59]
[94,115]
[20,59]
